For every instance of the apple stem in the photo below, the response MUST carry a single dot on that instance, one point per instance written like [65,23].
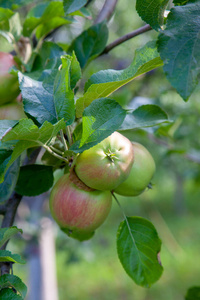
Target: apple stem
[68,132]
[125,217]
[63,140]
[56,150]
[55,154]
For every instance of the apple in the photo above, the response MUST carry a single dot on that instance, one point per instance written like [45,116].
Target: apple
[9,86]
[140,175]
[12,111]
[77,209]
[107,164]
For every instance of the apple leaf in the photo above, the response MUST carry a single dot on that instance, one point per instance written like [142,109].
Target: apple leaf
[9,294]
[179,48]
[6,233]
[5,15]
[104,83]
[193,293]
[90,43]
[43,18]
[144,116]
[100,119]
[15,26]
[6,255]
[180,2]
[6,125]
[63,95]
[52,99]
[14,282]
[10,180]
[28,135]
[75,71]
[34,180]
[71,6]
[152,12]
[138,246]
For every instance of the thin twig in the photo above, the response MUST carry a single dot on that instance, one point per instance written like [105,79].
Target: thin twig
[106,11]
[55,154]
[126,37]
[125,217]
[69,136]
[63,140]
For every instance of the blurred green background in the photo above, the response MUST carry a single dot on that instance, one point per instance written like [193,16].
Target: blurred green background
[91,270]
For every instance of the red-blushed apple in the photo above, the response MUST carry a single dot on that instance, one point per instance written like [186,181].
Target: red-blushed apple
[12,111]
[107,164]
[76,208]
[9,86]
[141,173]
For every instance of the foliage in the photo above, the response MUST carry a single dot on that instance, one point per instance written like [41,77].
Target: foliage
[68,112]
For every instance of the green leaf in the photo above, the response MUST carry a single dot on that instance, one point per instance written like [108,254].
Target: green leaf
[12,4]
[193,293]
[44,17]
[6,125]
[138,246]
[100,120]
[37,100]
[10,180]
[15,26]
[104,83]
[179,48]
[51,99]
[8,280]
[72,5]
[75,71]
[9,294]
[29,135]
[48,57]
[34,180]
[63,95]
[5,15]
[90,43]
[6,255]
[152,12]
[180,2]
[144,116]
[6,233]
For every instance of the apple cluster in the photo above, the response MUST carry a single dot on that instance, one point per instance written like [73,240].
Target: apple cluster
[10,106]
[81,200]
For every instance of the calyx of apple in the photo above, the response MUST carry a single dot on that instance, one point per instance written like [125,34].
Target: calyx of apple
[107,164]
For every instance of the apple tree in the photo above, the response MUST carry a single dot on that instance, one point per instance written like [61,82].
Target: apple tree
[54,116]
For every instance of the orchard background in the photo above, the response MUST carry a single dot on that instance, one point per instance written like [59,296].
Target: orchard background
[141,59]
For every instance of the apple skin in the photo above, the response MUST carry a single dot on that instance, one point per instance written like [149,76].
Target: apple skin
[76,210]
[12,111]
[9,86]
[141,173]
[107,164]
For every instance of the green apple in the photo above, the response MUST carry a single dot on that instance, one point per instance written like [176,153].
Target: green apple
[106,165]
[76,210]
[12,111]
[9,86]
[140,175]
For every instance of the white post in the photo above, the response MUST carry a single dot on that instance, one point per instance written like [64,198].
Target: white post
[48,260]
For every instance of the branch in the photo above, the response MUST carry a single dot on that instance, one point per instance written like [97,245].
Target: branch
[126,37]
[106,11]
